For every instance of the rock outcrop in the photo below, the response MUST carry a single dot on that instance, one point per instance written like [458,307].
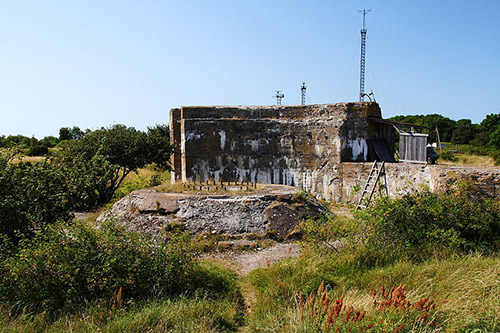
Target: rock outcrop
[274,208]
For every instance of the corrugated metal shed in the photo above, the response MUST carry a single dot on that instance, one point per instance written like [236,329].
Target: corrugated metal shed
[412,147]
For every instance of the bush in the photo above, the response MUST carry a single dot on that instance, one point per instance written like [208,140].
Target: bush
[495,154]
[155,180]
[37,150]
[427,224]
[32,196]
[67,265]
[448,155]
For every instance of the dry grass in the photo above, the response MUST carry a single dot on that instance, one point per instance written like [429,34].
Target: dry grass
[473,160]
[31,159]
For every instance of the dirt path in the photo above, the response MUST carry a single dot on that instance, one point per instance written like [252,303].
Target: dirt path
[244,263]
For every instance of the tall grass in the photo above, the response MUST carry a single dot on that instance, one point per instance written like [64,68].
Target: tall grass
[468,288]
[144,178]
[177,315]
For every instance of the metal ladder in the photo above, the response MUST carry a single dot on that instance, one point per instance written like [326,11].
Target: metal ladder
[371,184]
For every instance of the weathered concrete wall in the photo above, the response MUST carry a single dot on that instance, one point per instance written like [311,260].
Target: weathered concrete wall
[404,178]
[291,145]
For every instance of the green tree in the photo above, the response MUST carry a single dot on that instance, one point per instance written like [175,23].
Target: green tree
[64,133]
[465,132]
[490,123]
[77,133]
[123,148]
[445,125]
[495,139]
[17,141]
[158,140]
[49,141]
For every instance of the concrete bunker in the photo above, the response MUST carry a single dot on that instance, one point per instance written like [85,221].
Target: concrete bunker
[291,145]
[324,148]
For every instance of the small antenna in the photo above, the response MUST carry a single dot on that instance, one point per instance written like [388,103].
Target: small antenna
[303,95]
[371,96]
[363,55]
[279,96]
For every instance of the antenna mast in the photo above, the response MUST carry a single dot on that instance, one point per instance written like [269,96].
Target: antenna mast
[363,54]
[303,96]
[279,96]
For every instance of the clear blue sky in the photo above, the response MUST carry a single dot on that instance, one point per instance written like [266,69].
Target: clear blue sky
[94,63]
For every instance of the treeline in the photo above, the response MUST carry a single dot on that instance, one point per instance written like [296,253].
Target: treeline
[34,147]
[462,131]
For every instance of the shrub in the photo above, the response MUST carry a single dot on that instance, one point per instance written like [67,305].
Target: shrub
[448,155]
[429,223]
[67,265]
[155,180]
[37,150]
[32,195]
[328,231]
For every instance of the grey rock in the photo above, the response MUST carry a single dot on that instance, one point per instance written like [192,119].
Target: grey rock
[275,208]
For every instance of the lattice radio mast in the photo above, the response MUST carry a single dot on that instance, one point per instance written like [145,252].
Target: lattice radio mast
[303,95]
[279,96]
[363,54]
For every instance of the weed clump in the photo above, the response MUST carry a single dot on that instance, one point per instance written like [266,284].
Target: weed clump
[391,311]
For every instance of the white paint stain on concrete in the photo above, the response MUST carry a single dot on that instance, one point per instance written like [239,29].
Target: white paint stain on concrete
[222,139]
[192,136]
[359,147]
[254,144]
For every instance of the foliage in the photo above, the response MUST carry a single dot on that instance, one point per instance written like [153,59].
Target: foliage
[33,195]
[87,180]
[462,131]
[158,140]
[147,177]
[66,133]
[49,141]
[449,155]
[83,174]
[490,123]
[495,139]
[445,125]
[465,132]
[426,224]
[327,230]
[15,141]
[67,265]
[125,150]
[37,150]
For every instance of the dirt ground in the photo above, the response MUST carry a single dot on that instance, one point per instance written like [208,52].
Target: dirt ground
[245,262]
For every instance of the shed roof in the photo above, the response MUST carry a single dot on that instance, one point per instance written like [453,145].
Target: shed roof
[395,123]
